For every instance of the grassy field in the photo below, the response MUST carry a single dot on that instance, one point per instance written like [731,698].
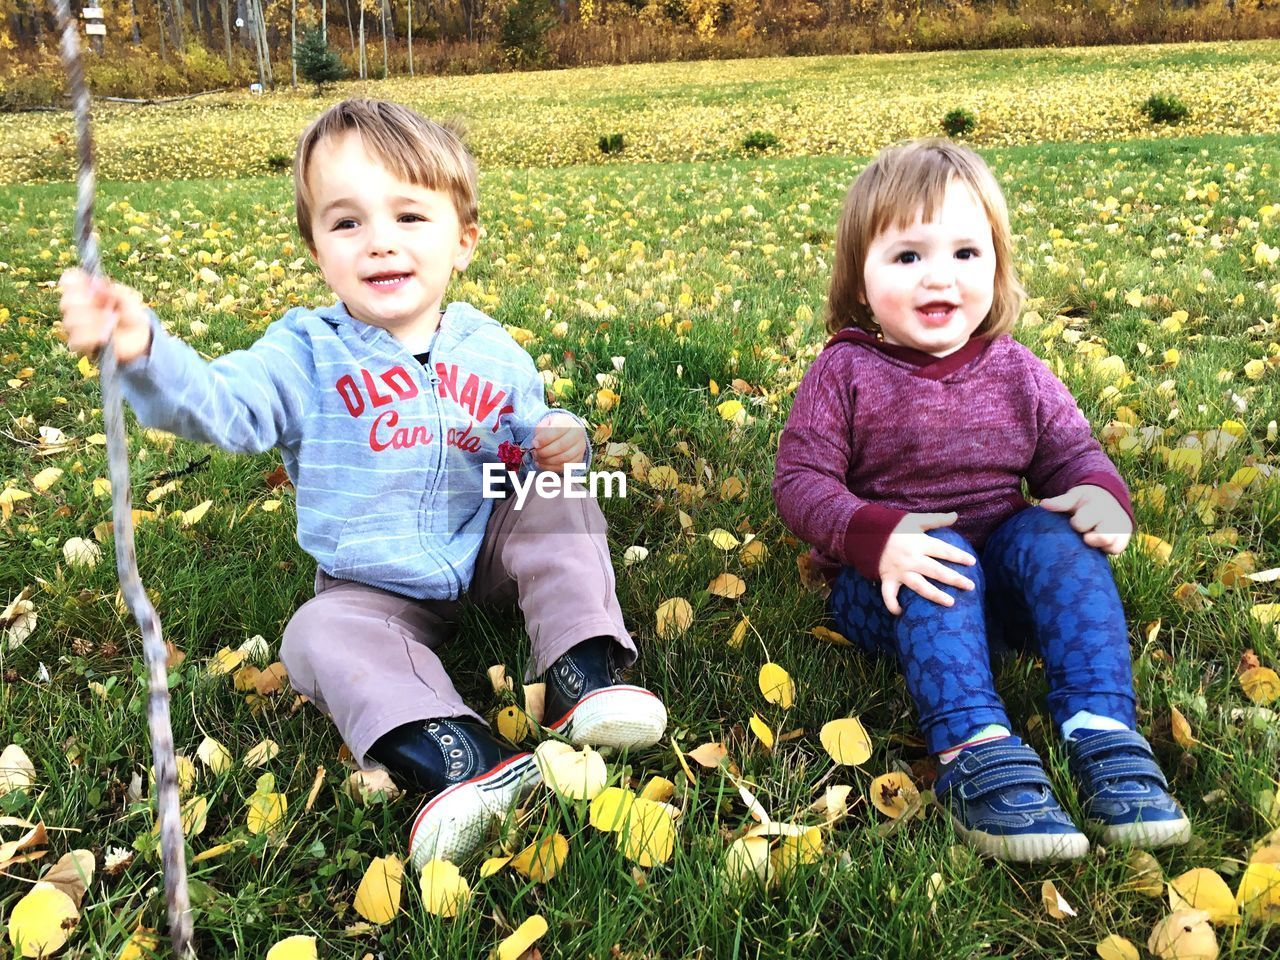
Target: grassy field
[700,111]
[1152,267]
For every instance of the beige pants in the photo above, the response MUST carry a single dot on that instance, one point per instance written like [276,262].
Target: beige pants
[366,657]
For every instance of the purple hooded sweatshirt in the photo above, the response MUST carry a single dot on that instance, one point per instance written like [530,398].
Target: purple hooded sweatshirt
[878,431]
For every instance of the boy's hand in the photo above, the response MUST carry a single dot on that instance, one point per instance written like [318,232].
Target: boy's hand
[558,439]
[1096,514]
[95,310]
[911,559]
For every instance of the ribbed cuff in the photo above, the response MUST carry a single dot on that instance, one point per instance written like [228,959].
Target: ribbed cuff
[866,536]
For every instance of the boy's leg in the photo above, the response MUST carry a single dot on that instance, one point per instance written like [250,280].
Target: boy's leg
[1061,590]
[994,788]
[364,658]
[552,557]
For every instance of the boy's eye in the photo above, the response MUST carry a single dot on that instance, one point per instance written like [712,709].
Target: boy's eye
[412,218]
[907,256]
[346,223]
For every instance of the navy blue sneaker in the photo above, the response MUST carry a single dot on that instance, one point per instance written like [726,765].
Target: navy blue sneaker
[587,702]
[1125,796]
[1002,804]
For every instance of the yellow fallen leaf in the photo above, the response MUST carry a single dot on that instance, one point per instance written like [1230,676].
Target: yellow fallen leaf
[1182,734]
[189,518]
[709,755]
[776,685]
[684,764]
[1258,895]
[674,617]
[46,478]
[542,860]
[264,752]
[732,488]
[266,810]
[663,478]
[42,921]
[16,770]
[1143,874]
[514,724]
[499,680]
[762,731]
[194,816]
[1117,948]
[270,506]
[723,539]
[378,897]
[492,866]
[1260,684]
[1184,935]
[300,947]
[445,891]
[610,809]
[216,851]
[1158,550]
[79,552]
[747,861]
[823,633]
[833,805]
[658,789]
[893,793]
[649,836]
[213,755]
[754,553]
[1055,904]
[728,586]
[570,773]
[846,741]
[739,633]
[143,944]
[731,410]
[224,661]
[797,849]
[525,936]
[1265,613]
[1202,889]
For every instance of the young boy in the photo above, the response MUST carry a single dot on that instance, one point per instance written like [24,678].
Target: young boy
[385,410]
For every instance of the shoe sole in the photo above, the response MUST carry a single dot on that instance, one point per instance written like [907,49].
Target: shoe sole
[1027,848]
[622,717]
[1149,836]
[454,823]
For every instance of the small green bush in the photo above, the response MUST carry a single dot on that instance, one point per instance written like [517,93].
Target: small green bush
[1165,108]
[611,143]
[959,122]
[760,140]
[279,162]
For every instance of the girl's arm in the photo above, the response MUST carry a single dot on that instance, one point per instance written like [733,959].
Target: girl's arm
[810,477]
[1067,455]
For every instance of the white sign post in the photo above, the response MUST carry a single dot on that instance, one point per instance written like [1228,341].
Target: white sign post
[94,27]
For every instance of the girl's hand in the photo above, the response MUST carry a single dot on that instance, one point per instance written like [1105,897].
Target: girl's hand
[95,310]
[1096,514]
[558,439]
[911,559]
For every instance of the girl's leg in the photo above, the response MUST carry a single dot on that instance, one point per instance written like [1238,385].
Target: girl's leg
[1049,580]
[1044,580]
[942,651]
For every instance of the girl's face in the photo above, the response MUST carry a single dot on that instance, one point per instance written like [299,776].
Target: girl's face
[930,286]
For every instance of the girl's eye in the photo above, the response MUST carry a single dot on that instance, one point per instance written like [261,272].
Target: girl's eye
[907,256]
[968,253]
[346,223]
[412,218]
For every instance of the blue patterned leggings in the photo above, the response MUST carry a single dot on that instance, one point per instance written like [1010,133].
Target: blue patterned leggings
[1036,582]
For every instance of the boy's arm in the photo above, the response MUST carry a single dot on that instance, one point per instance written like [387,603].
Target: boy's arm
[531,409]
[246,401]
[1067,454]
[809,481]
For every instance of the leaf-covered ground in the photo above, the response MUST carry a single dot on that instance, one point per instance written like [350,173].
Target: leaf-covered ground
[814,106]
[675,306]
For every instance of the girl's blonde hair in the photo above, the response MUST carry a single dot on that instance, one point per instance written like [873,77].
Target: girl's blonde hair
[891,192]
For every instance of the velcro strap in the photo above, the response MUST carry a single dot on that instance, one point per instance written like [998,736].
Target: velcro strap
[1123,741]
[1011,775]
[998,755]
[1127,768]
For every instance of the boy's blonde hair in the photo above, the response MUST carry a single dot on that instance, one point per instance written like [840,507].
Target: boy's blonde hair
[415,149]
[890,192]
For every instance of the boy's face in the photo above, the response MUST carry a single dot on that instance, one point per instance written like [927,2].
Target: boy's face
[387,248]
[931,285]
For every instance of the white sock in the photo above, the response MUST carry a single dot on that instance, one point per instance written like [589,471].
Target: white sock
[992,731]
[1084,720]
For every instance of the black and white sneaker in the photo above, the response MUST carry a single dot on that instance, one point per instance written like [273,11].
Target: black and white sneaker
[587,703]
[484,781]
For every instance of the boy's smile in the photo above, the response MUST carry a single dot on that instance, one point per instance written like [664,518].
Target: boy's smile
[386,247]
[931,285]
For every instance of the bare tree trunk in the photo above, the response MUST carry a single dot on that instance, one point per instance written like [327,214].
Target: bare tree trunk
[411,38]
[179,14]
[226,29]
[133,19]
[160,24]
[266,48]
[324,20]
[293,40]
[384,40]
[351,27]
[362,63]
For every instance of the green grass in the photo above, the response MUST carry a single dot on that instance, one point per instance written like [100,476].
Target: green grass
[749,274]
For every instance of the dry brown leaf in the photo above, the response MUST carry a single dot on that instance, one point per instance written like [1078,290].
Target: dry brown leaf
[72,874]
[728,586]
[1182,734]
[1055,904]
[1184,935]
[709,755]
[271,679]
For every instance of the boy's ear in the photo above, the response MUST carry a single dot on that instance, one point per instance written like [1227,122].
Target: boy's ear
[468,238]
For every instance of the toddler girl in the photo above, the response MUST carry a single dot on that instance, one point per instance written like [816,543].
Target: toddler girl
[902,463]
